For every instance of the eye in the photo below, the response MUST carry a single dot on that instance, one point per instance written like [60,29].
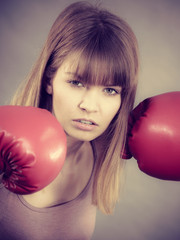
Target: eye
[111,91]
[75,83]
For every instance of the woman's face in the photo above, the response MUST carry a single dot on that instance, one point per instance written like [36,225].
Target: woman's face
[84,111]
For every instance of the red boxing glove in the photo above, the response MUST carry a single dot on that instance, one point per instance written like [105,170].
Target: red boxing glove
[32,148]
[154,136]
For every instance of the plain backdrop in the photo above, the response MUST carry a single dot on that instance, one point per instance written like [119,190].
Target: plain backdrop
[149,208]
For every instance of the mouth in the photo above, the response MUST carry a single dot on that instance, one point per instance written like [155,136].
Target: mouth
[85,121]
[85,124]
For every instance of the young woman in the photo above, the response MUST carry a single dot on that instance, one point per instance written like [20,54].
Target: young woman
[86,76]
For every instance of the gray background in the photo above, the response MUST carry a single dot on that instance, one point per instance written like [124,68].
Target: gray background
[149,208]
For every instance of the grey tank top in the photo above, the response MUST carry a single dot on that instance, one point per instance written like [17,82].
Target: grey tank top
[73,220]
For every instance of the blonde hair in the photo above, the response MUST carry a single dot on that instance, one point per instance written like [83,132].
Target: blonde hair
[106,52]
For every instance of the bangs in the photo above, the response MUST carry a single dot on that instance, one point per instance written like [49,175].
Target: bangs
[99,68]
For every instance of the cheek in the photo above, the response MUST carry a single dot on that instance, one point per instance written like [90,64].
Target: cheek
[64,105]
[111,109]
[59,104]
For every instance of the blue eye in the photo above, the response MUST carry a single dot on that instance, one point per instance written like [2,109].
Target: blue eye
[111,91]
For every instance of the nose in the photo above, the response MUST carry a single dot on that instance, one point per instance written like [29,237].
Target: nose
[89,101]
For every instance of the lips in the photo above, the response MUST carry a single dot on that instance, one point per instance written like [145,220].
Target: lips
[85,121]
[85,124]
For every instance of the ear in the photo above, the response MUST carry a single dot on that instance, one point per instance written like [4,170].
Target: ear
[49,89]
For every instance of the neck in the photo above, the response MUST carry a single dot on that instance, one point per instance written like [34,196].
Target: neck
[73,145]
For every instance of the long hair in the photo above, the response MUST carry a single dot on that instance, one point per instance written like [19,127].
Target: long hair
[105,52]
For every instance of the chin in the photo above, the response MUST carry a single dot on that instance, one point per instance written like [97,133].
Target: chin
[84,136]
[85,139]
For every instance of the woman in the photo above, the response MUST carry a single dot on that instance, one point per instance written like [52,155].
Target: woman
[86,76]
